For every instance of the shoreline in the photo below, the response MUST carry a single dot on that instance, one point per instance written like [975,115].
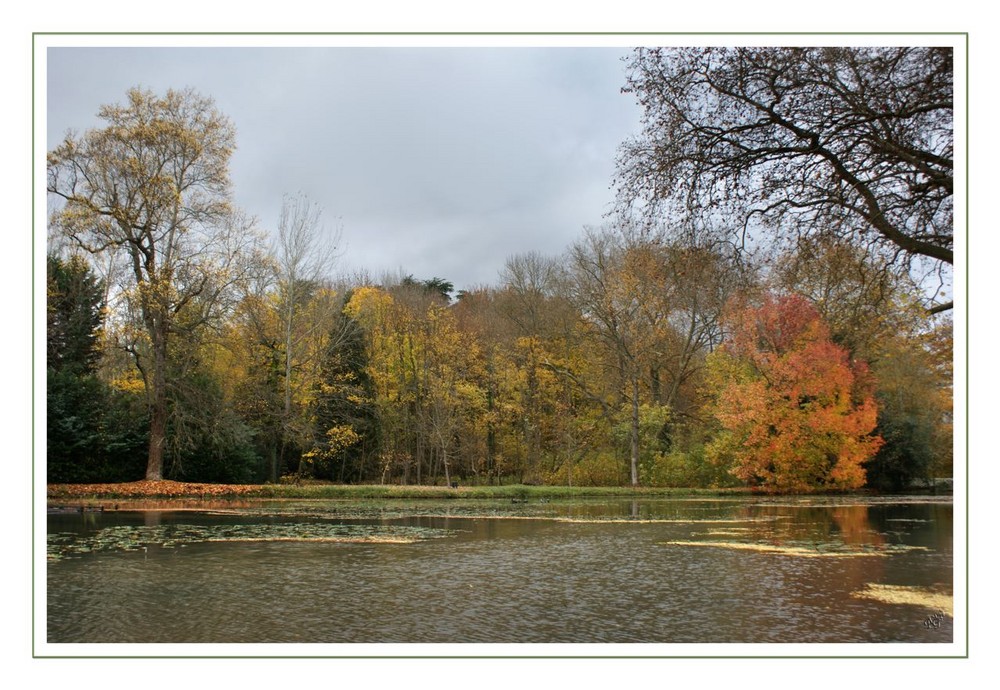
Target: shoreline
[83,495]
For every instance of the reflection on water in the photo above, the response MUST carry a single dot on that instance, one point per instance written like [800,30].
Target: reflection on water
[474,571]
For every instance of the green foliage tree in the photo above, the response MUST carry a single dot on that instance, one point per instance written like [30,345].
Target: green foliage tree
[346,413]
[207,440]
[74,394]
[93,432]
[439,286]
[914,398]
[74,308]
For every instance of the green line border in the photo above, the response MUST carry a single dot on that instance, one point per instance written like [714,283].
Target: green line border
[474,34]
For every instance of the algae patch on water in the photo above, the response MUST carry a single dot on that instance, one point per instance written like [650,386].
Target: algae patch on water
[915,596]
[141,537]
[802,550]
[670,521]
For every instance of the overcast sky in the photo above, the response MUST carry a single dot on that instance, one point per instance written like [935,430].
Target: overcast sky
[441,162]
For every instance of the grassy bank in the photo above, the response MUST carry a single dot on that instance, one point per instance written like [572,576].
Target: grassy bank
[168,489]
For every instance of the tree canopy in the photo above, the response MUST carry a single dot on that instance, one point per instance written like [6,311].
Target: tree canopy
[153,183]
[642,354]
[797,413]
[75,303]
[851,141]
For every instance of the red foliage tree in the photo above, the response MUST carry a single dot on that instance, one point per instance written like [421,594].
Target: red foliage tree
[797,414]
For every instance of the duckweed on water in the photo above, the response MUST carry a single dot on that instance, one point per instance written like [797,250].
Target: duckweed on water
[135,538]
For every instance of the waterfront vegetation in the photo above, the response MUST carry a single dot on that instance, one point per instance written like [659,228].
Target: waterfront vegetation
[83,494]
[657,350]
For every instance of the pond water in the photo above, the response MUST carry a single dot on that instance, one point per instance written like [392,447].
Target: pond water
[658,570]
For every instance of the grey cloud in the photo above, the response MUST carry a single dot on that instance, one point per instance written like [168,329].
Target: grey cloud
[439,161]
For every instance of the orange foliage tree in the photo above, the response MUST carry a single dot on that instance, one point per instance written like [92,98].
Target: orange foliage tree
[796,413]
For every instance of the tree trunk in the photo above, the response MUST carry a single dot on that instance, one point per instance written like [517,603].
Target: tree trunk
[635,432]
[157,437]
[491,438]
[272,462]
[157,400]
[532,446]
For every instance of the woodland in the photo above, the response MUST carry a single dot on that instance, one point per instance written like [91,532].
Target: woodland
[765,308]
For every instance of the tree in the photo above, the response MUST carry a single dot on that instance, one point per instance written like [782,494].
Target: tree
[439,286]
[75,314]
[395,362]
[345,410]
[305,253]
[875,315]
[92,430]
[154,182]
[616,284]
[855,292]
[74,395]
[840,140]
[796,412]
[692,283]
[914,374]
[529,281]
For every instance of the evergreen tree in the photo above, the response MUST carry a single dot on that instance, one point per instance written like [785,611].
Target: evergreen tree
[346,413]
[94,433]
[75,304]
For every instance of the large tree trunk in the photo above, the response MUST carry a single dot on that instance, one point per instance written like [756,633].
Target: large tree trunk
[157,441]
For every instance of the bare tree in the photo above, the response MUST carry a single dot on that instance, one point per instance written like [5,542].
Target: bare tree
[529,281]
[850,141]
[606,272]
[305,252]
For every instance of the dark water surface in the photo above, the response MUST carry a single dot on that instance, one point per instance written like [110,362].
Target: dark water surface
[657,570]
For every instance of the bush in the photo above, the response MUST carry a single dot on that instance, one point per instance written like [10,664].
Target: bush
[598,469]
[906,455]
[692,469]
[94,433]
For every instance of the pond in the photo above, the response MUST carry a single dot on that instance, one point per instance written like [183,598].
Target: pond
[823,570]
